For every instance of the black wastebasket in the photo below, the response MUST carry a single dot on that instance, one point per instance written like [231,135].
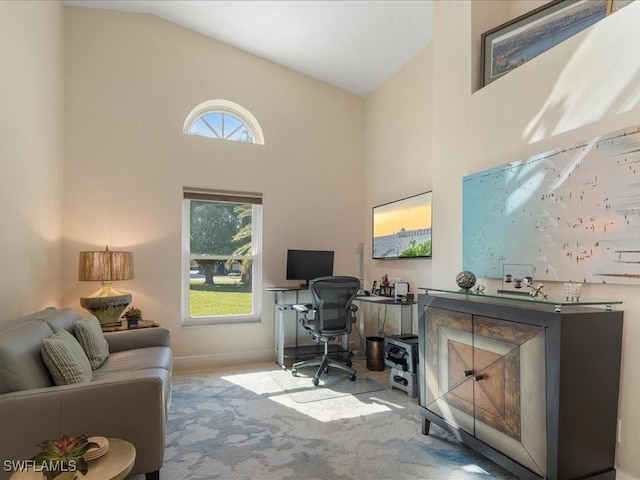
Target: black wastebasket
[375,354]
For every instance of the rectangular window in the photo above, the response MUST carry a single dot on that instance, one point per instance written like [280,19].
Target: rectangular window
[222,261]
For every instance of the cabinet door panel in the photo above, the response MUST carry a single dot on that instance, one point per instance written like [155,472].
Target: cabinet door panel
[448,363]
[487,377]
[497,402]
[509,392]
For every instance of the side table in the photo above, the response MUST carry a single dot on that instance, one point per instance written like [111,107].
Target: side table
[114,465]
[125,326]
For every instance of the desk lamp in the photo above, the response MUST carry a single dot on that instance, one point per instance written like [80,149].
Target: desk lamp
[106,266]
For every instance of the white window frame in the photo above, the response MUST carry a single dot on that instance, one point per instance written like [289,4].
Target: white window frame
[256,257]
[228,107]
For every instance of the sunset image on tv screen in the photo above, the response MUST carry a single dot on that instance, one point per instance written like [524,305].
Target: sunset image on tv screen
[402,229]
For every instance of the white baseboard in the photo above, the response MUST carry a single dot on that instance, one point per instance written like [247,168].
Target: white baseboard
[203,363]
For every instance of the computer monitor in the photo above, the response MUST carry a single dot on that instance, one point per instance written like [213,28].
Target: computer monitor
[309,264]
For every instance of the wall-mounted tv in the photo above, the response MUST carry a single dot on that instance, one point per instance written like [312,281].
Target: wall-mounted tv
[402,229]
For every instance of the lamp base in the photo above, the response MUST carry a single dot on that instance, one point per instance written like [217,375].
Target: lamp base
[107,304]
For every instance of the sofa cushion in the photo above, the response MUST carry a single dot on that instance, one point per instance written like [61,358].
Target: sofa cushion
[65,359]
[90,336]
[139,362]
[63,318]
[137,359]
[21,365]
[39,315]
[125,375]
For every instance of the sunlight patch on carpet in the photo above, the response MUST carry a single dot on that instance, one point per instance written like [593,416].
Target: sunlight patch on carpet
[333,384]
[475,469]
[256,382]
[347,400]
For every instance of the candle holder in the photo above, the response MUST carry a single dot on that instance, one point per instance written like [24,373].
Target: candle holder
[572,292]
[517,278]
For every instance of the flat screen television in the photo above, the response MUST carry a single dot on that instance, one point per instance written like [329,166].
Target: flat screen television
[305,265]
[402,229]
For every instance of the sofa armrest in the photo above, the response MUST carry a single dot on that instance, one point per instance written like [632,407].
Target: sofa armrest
[132,409]
[139,338]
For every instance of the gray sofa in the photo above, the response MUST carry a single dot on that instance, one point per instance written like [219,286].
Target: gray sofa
[128,397]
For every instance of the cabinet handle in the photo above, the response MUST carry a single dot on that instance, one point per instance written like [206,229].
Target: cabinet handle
[478,377]
[468,373]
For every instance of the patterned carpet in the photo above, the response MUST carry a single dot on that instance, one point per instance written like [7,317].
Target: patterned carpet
[240,424]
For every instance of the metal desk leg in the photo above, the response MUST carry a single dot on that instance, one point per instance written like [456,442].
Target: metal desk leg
[276,330]
[281,308]
[280,336]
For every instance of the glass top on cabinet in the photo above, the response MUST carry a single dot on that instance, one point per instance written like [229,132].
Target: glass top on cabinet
[557,303]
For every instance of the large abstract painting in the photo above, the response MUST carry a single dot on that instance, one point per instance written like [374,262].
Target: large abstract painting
[572,213]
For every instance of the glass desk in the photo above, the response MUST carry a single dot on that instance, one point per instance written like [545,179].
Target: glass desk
[285,298]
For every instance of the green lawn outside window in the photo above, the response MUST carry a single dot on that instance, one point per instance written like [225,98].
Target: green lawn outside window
[226,297]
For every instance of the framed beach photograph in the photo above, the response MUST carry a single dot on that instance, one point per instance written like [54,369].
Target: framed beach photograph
[571,214]
[516,42]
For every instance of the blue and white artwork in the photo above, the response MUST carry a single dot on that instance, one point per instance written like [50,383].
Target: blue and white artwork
[572,213]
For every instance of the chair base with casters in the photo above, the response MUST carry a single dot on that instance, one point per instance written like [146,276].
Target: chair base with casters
[323,363]
[330,316]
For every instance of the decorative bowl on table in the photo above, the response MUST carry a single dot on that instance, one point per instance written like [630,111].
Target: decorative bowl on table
[99,451]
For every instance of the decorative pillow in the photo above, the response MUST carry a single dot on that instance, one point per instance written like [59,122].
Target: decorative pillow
[91,338]
[65,359]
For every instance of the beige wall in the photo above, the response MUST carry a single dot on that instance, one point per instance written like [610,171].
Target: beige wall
[586,86]
[398,143]
[131,80]
[31,89]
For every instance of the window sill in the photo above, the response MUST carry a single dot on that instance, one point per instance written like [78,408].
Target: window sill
[216,321]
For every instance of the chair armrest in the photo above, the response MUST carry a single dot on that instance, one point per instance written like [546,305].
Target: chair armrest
[139,338]
[354,309]
[300,308]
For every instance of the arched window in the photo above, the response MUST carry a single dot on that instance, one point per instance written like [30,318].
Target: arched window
[225,120]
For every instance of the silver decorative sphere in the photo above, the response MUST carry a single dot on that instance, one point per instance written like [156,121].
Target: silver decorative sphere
[466,280]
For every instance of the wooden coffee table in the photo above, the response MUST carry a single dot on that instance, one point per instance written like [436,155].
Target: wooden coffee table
[114,465]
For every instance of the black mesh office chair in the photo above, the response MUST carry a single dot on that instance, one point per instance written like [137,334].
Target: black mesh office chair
[331,315]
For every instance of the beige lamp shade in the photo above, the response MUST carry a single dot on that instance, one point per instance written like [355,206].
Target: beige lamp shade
[106,266]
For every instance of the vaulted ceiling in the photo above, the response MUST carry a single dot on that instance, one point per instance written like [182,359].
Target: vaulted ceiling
[354,45]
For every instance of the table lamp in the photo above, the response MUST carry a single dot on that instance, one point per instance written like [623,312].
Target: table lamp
[106,266]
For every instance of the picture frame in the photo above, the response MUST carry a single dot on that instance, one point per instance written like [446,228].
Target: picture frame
[514,43]
[615,5]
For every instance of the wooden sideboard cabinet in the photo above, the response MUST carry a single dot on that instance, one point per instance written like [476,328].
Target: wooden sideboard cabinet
[533,389]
